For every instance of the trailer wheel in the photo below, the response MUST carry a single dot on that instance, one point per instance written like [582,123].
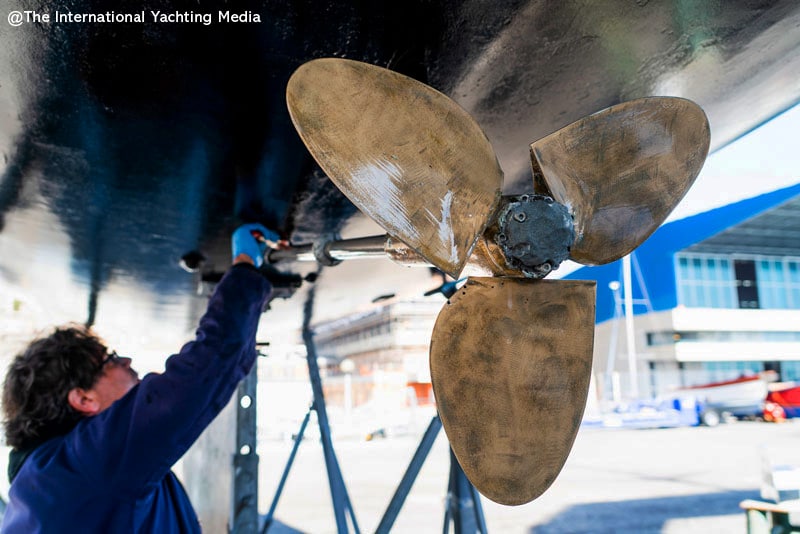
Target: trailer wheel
[710,418]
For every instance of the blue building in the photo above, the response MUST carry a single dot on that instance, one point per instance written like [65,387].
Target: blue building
[716,296]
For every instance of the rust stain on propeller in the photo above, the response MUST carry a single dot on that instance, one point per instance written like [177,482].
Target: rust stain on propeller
[510,362]
[403,153]
[622,171]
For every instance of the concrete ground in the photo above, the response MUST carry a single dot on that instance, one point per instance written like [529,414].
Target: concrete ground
[681,480]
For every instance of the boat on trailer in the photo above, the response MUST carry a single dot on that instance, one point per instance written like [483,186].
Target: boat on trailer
[742,398]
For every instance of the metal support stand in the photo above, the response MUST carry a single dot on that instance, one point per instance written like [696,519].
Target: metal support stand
[342,507]
[244,512]
[463,503]
[463,506]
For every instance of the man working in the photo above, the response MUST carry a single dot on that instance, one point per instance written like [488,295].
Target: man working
[93,445]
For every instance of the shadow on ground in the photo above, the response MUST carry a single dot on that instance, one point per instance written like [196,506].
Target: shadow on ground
[642,516]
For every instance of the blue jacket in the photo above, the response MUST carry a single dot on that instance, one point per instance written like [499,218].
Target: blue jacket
[111,473]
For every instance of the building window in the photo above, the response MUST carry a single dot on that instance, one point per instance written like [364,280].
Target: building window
[746,285]
[790,371]
[706,281]
[772,283]
[709,281]
[793,274]
[721,336]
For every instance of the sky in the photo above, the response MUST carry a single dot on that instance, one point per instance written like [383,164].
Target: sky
[766,159]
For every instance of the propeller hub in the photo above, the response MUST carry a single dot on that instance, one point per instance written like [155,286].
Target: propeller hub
[535,234]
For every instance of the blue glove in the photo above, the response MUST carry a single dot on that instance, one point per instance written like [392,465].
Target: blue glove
[251,239]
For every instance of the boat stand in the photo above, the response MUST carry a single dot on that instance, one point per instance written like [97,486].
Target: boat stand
[342,507]
[463,506]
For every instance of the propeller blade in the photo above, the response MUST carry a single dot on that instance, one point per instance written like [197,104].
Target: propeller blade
[510,363]
[622,171]
[403,153]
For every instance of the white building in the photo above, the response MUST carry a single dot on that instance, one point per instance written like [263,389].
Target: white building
[716,296]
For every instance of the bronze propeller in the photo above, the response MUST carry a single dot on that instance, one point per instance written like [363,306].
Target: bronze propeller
[511,354]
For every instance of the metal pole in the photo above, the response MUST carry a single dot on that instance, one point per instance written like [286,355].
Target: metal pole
[479,517]
[285,475]
[327,445]
[344,249]
[629,332]
[245,460]
[462,506]
[399,497]
[341,501]
[612,345]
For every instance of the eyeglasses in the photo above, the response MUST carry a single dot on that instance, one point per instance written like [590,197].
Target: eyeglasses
[111,357]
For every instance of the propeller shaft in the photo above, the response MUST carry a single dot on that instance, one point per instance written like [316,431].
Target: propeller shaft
[528,238]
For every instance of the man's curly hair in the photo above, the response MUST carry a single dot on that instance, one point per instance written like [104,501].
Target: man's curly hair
[39,380]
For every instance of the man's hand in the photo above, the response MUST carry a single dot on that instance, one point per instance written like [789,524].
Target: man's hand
[249,243]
